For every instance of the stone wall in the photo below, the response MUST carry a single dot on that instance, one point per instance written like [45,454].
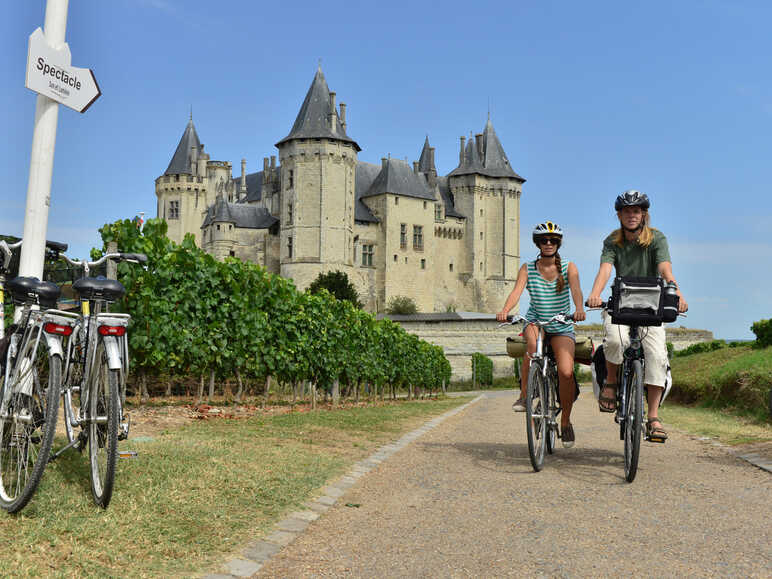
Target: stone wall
[460,335]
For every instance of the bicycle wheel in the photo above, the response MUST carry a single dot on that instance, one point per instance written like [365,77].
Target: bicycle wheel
[102,427]
[27,424]
[535,422]
[634,420]
[73,379]
[551,397]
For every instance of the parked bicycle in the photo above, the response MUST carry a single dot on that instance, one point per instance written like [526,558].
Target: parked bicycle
[542,405]
[31,367]
[96,367]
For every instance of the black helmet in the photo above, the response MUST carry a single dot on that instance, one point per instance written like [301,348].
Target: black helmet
[632,198]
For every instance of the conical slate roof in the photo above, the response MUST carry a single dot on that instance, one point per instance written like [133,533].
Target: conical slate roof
[425,164]
[240,214]
[398,178]
[313,120]
[494,162]
[181,161]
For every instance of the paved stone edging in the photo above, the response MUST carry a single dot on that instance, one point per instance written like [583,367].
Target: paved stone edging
[258,552]
[761,461]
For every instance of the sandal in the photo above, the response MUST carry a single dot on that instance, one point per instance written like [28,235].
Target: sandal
[655,433]
[608,403]
[567,435]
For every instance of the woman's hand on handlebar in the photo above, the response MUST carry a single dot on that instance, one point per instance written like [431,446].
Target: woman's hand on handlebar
[502,316]
[579,315]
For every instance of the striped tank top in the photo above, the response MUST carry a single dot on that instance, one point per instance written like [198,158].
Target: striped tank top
[545,301]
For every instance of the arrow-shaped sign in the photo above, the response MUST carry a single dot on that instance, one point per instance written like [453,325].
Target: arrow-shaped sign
[49,73]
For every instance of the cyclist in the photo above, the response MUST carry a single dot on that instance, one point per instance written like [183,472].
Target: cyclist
[548,280]
[635,249]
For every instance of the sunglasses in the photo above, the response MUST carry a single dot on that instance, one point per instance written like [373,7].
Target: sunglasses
[549,241]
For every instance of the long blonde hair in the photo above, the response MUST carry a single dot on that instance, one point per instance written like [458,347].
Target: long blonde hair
[644,239]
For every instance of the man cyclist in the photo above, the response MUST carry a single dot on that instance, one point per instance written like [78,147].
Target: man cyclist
[635,249]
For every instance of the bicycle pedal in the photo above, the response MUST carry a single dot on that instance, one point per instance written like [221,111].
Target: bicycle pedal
[657,439]
[126,454]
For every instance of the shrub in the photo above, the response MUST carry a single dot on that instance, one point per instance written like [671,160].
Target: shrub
[763,331]
[482,368]
[670,350]
[401,305]
[338,284]
[702,347]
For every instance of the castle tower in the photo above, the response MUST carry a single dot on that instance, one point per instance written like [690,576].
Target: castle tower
[487,191]
[316,198]
[189,186]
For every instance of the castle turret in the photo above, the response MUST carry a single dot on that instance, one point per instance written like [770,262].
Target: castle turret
[487,191]
[318,163]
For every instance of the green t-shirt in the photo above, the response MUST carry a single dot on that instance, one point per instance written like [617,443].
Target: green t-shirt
[634,260]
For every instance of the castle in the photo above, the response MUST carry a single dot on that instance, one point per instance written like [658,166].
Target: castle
[449,243]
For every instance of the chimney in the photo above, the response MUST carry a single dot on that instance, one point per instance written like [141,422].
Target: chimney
[333,112]
[461,154]
[431,157]
[265,167]
[384,162]
[273,163]
[243,187]
[343,115]
[415,167]
[479,142]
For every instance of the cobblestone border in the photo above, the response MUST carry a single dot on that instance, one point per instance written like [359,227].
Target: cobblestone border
[762,462]
[256,553]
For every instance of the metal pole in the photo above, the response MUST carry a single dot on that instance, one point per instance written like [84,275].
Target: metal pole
[41,166]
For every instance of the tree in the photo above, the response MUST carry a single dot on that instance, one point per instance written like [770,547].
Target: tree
[337,283]
[401,305]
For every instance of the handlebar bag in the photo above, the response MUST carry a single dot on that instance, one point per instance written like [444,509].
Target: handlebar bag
[637,301]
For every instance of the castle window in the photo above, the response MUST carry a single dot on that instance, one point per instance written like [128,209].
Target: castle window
[395,257]
[218,227]
[289,247]
[289,211]
[232,253]
[174,210]
[396,200]
[480,212]
[450,267]
[405,259]
[423,264]
[403,235]
[480,266]
[481,235]
[437,212]
[176,177]
[424,204]
[418,237]
[367,255]
[291,179]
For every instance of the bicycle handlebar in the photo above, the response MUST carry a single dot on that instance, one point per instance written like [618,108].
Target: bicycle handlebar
[7,248]
[512,320]
[139,258]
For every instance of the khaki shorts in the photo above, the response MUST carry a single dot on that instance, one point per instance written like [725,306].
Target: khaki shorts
[617,338]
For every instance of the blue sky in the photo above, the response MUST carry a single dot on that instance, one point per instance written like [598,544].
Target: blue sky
[588,99]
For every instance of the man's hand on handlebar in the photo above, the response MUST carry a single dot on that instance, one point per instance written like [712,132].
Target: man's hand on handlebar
[594,301]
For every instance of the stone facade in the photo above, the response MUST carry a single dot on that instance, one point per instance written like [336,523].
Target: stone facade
[448,242]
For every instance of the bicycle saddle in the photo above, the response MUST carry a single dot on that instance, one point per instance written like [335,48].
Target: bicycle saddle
[30,291]
[99,288]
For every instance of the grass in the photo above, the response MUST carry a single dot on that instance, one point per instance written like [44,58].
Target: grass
[738,377]
[727,427]
[195,493]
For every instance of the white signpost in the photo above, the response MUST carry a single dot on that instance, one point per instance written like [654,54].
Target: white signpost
[50,75]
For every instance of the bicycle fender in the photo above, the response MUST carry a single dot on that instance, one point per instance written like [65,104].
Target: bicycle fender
[54,345]
[113,352]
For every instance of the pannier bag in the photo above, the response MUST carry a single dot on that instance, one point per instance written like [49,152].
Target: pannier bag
[642,301]
[516,347]
[584,350]
[598,369]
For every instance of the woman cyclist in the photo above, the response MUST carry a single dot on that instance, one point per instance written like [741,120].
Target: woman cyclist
[545,279]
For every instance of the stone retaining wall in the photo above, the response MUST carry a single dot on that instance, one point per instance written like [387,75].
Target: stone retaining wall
[461,338]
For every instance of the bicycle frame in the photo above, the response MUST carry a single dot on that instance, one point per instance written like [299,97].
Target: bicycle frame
[633,352]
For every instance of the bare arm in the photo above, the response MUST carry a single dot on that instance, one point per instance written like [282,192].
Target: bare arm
[604,273]
[576,292]
[514,295]
[665,270]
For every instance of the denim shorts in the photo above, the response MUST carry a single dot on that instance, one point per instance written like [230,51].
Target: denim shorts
[548,335]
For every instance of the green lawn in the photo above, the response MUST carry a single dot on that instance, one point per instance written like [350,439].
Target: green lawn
[196,493]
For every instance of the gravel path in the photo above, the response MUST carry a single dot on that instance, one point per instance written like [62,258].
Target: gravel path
[463,501]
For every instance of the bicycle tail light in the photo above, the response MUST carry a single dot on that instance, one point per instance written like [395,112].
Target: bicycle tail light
[112,330]
[58,329]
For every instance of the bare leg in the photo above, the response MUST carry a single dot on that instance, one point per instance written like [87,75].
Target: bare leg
[609,388]
[531,336]
[564,348]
